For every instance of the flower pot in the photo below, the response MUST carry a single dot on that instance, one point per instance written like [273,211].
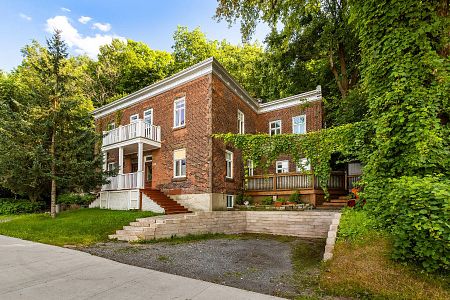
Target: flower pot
[278,204]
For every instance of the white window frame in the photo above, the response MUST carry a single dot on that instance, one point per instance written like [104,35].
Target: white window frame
[270,127]
[111,166]
[241,122]
[178,123]
[132,118]
[282,166]
[111,126]
[303,165]
[150,110]
[180,163]
[250,167]
[230,197]
[294,124]
[229,164]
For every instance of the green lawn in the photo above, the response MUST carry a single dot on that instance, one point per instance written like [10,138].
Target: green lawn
[76,227]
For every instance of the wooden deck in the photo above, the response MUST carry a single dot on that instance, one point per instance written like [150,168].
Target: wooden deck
[306,184]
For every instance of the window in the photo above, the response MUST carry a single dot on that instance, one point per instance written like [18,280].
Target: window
[303,165]
[229,162]
[111,166]
[134,118]
[250,167]
[299,124]
[230,201]
[148,116]
[179,163]
[111,126]
[275,127]
[179,111]
[241,122]
[282,166]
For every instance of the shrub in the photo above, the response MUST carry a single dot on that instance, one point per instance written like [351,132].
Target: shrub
[13,206]
[241,198]
[295,197]
[80,199]
[417,212]
[267,200]
[355,224]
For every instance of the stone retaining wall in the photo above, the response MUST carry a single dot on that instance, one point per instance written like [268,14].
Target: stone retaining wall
[314,224]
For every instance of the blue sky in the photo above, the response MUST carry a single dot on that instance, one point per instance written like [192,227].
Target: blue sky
[88,24]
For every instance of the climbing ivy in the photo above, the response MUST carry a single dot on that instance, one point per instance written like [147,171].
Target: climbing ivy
[317,146]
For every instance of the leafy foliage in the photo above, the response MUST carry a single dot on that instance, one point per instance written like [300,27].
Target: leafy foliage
[417,212]
[355,224]
[14,206]
[72,198]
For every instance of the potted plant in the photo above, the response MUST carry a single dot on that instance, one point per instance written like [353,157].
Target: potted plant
[279,202]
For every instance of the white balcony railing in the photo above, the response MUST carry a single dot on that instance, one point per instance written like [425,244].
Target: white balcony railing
[130,131]
[125,181]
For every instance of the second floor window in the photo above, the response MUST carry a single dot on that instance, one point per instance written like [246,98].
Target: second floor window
[299,124]
[251,169]
[111,126]
[241,122]
[229,163]
[148,116]
[134,118]
[303,165]
[179,163]
[179,112]
[275,127]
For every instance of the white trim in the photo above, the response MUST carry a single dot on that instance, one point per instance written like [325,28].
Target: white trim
[270,127]
[232,201]
[208,66]
[183,99]
[250,167]
[132,116]
[282,162]
[241,120]
[151,113]
[175,161]
[304,123]
[226,164]
[303,165]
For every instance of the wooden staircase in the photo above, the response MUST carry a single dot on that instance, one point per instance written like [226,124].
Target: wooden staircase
[335,204]
[170,206]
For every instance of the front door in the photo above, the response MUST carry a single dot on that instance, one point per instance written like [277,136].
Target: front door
[148,171]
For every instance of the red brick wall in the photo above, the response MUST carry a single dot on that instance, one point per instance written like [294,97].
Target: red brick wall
[195,136]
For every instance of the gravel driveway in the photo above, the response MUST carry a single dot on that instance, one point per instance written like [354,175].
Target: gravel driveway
[255,263]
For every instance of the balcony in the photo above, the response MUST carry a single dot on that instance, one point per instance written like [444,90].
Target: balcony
[133,132]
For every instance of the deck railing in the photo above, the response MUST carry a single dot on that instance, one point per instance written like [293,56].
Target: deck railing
[292,181]
[124,181]
[130,131]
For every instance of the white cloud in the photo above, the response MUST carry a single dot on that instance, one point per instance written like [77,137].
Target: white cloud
[105,27]
[65,9]
[84,19]
[81,44]
[25,17]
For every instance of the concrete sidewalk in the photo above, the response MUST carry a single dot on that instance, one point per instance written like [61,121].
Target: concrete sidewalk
[31,270]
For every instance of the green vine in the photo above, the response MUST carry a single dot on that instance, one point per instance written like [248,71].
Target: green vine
[316,146]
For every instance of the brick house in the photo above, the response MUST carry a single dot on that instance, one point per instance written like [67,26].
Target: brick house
[159,139]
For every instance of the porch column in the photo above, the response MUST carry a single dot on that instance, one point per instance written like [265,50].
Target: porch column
[140,175]
[120,175]
[105,161]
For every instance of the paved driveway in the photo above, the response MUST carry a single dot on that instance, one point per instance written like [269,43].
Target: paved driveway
[37,271]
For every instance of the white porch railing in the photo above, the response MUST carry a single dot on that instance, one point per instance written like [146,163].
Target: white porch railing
[130,131]
[125,181]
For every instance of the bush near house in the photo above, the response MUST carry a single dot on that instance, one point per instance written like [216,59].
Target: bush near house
[79,199]
[19,206]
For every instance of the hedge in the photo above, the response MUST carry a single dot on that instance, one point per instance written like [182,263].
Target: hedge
[13,206]
[80,199]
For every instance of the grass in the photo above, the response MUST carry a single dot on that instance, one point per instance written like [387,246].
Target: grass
[77,227]
[361,267]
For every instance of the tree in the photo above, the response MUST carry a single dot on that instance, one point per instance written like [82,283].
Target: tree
[52,125]
[123,67]
[310,43]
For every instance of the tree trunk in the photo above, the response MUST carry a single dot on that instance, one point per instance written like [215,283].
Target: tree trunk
[53,173]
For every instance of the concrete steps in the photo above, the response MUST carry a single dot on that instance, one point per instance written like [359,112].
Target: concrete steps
[314,224]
